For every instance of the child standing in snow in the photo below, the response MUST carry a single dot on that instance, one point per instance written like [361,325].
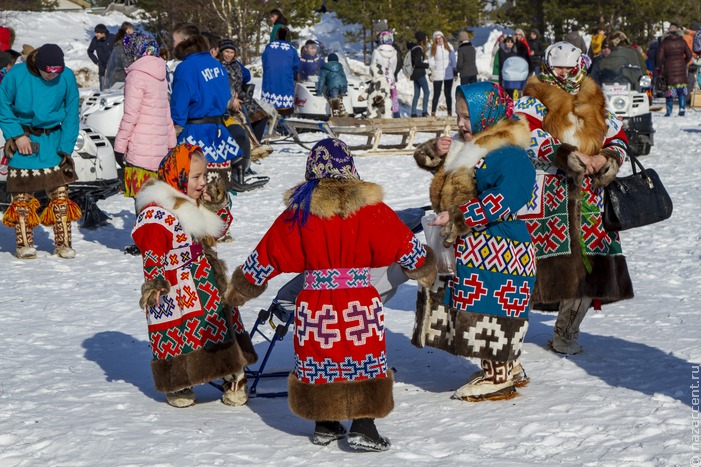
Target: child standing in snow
[146,131]
[335,228]
[382,66]
[194,337]
[333,84]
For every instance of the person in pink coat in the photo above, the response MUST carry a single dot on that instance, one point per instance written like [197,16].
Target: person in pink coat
[146,132]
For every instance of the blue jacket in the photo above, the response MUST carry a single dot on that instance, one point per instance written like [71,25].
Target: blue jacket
[309,65]
[332,76]
[29,100]
[201,89]
[280,65]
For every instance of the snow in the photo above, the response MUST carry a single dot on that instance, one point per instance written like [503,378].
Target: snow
[76,387]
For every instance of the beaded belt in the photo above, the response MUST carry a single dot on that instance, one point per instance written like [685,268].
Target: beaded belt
[180,257]
[338,278]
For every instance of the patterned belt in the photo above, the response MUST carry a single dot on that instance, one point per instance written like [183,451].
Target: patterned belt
[338,278]
[180,257]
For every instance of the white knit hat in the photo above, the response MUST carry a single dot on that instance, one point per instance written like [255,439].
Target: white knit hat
[436,34]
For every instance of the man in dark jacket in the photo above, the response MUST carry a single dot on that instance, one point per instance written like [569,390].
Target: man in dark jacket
[535,43]
[672,58]
[100,50]
[622,62]
[418,76]
[467,59]
[574,38]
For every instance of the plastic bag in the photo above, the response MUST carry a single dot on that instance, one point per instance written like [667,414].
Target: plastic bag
[445,257]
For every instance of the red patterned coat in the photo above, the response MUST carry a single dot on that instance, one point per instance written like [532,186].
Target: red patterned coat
[341,369]
[194,337]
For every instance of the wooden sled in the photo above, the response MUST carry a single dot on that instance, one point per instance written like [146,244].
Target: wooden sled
[374,130]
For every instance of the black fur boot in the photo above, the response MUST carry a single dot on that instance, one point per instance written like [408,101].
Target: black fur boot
[363,436]
[326,432]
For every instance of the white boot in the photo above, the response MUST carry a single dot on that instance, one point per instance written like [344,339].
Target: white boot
[181,399]
[65,252]
[494,382]
[26,252]
[235,390]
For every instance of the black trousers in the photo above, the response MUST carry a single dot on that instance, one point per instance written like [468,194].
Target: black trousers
[437,95]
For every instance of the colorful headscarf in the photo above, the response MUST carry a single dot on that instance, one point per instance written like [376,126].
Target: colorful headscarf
[386,37]
[329,158]
[137,45]
[488,103]
[572,81]
[175,166]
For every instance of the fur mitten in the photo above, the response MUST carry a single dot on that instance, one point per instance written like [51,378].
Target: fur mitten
[150,289]
[216,191]
[425,274]
[456,226]
[240,290]
[608,172]
[427,158]
[566,160]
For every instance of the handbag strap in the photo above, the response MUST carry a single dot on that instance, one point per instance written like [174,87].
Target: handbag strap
[636,164]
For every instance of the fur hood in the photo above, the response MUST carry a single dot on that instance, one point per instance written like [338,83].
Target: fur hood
[579,120]
[197,220]
[344,197]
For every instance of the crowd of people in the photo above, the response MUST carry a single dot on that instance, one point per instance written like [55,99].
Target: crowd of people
[187,141]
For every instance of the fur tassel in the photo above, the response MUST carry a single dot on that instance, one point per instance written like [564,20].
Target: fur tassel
[11,217]
[567,161]
[426,157]
[425,274]
[239,290]
[150,288]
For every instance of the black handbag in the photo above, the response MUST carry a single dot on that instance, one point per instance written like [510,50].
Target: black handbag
[636,200]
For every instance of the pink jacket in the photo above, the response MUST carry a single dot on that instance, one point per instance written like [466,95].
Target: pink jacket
[146,131]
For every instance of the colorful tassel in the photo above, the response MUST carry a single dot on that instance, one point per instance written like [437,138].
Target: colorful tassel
[12,214]
[73,212]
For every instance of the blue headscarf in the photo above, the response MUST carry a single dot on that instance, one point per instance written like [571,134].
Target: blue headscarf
[329,158]
[487,103]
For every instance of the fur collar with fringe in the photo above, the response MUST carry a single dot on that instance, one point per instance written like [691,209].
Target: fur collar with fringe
[344,197]
[197,221]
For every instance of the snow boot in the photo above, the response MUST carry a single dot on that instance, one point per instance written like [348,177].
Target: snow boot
[565,346]
[327,432]
[235,390]
[494,382]
[669,103]
[363,436]
[519,375]
[22,215]
[240,183]
[60,212]
[570,315]
[132,250]
[181,399]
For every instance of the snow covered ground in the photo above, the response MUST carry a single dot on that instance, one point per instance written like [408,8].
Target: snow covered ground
[76,388]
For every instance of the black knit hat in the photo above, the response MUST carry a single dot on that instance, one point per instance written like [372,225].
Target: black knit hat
[227,44]
[5,59]
[49,58]
[101,28]
[420,36]
[332,57]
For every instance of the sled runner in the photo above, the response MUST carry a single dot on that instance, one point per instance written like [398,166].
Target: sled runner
[373,130]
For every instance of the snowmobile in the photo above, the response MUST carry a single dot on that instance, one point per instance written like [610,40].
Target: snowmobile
[103,110]
[96,168]
[626,98]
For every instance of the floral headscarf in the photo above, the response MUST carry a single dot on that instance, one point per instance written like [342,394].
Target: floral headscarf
[386,37]
[175,166]
[572,81]
[329,158]
[488,103]
[138,45]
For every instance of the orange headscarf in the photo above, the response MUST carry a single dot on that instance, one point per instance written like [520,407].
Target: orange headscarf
[175,166]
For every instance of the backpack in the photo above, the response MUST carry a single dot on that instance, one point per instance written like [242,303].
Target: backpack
[408,66]
[696,43]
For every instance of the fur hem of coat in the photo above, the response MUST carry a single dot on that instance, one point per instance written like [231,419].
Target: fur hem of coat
[370,398]
[196,220]
[341,197]
[200,366]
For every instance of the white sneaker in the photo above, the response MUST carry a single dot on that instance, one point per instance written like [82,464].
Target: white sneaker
[65,252]
[479,388]
[26,252]
[181,399]
[235,393]
[565,346]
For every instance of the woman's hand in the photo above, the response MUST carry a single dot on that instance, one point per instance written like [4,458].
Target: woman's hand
[236,104]
[441,219]
[443,145]
[595,164]
[24,145]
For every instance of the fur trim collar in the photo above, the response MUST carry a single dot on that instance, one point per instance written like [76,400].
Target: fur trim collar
[197,221]
[508,132]
[579,120]
[344,197]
